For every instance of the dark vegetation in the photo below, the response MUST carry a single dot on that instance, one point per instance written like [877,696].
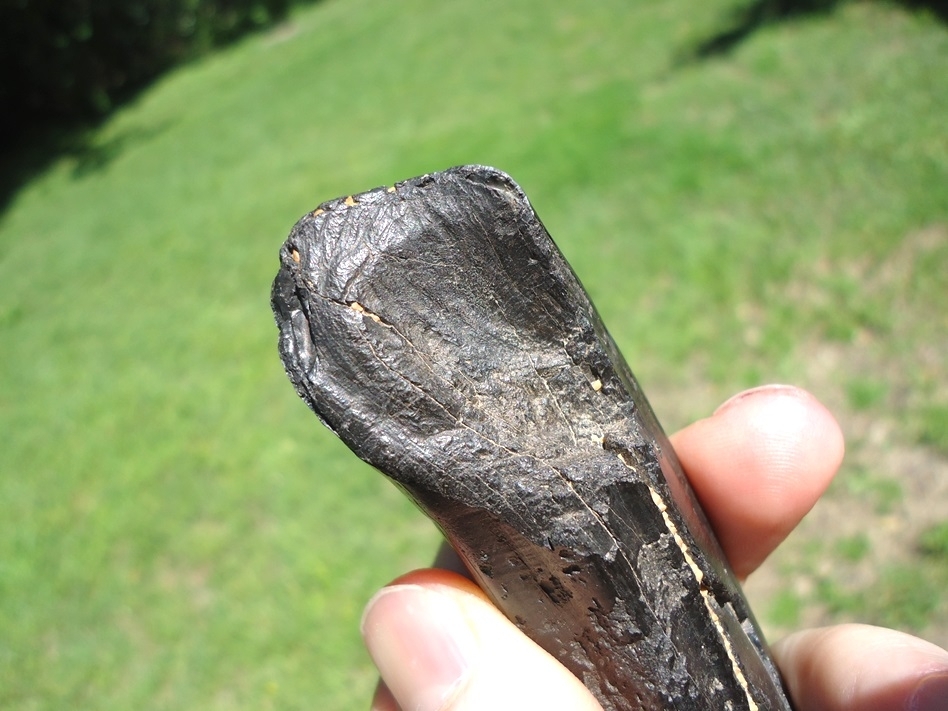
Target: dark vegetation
[65,60]
[759,13]
[65,65]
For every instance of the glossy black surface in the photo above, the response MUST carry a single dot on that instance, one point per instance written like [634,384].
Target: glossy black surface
[437,330]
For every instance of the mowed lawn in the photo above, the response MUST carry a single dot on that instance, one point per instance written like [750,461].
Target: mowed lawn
[178,531]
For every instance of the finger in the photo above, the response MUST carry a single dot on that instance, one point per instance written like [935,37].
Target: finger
[383,699]
[758,465]
[440,645]
[852,667]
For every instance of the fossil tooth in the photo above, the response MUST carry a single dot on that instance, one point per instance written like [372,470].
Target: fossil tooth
[436,328]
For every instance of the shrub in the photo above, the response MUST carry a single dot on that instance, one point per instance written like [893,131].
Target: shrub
[63,60]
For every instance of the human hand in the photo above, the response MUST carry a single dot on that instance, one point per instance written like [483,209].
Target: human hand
[758,464]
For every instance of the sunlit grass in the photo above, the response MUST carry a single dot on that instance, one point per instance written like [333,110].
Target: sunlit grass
[176,530]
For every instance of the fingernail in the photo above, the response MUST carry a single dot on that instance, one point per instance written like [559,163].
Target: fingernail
[931,695]
[772,389]
[422,644]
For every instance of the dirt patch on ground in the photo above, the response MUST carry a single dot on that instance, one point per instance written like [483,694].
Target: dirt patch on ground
[858,555]
[863,531]
[862,535]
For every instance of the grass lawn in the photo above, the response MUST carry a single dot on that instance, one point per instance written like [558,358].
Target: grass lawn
[177,531]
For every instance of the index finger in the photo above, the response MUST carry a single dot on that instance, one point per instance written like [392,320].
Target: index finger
[758,465]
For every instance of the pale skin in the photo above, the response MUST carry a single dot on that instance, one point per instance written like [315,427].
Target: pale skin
[758,465]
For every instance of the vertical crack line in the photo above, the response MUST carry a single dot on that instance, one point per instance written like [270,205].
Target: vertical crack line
[702,588]
[556,402]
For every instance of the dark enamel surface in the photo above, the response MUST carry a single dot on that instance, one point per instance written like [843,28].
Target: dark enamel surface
[435,328]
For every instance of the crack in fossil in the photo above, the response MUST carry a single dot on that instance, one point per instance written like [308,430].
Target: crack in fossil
[702,588]
[439,359]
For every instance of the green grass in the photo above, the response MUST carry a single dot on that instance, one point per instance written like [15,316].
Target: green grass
[933,543]
[904,597]
[880,490]
[906,594]
[177,531]
[863,394]
[785,609]
[934,427]
[853,548]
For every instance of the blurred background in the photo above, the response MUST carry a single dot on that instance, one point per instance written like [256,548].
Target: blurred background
[751,191]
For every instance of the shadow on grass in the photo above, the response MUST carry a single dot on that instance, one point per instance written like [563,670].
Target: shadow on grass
[759,13]
[38,149]
[31,140]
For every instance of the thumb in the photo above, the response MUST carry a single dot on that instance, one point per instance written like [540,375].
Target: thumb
[440,645]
